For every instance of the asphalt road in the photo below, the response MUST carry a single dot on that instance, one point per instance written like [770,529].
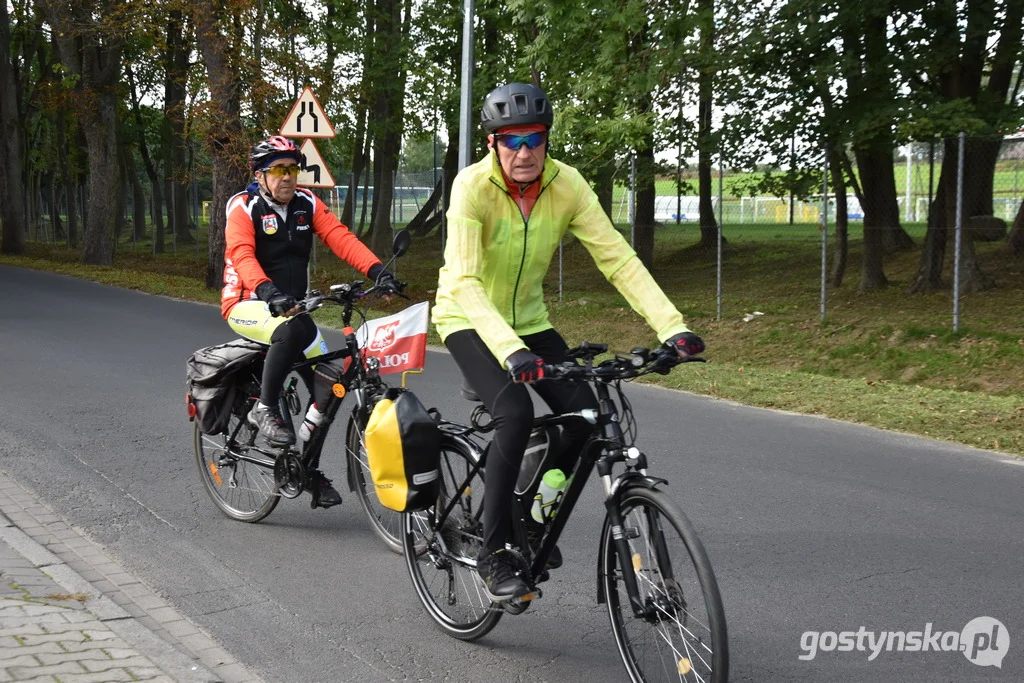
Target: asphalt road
[812,525]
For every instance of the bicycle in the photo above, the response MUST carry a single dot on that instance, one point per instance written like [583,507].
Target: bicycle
[246,478]
[653,572]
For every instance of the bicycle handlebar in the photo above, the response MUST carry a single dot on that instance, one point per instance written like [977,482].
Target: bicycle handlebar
[347,294]
[639,361]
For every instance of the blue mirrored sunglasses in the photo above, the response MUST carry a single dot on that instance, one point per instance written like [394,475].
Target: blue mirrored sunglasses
[515,142]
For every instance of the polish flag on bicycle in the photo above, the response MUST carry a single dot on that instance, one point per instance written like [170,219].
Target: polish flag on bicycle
[398,341]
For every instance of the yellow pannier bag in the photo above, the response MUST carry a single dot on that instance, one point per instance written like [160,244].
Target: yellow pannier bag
[403,449]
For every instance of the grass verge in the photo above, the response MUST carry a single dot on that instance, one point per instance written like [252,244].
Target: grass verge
[883,358]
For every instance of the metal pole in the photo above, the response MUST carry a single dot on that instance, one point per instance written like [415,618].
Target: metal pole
[1017,167]
[466,100]
[909,165]
[173,214]
[721,216]
[679,162]
[824,236]
[959,230]
[792,165]
[931,181]
[632,201]
[444,214]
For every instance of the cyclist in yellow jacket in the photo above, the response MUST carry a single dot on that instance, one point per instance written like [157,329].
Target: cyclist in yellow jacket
[507,215]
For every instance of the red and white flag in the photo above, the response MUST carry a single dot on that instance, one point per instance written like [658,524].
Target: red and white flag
[398,341]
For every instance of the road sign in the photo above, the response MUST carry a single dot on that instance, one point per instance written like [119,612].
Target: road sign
[313,171]
[307,119]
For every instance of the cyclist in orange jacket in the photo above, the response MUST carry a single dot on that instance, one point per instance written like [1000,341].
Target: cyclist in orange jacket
[269,236]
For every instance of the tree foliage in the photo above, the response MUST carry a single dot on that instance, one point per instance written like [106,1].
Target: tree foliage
[149,96]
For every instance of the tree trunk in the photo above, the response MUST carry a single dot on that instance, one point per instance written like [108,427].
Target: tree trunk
[156,207]
[228,146]
[604,186]
[95,57]
[54,198]
[389,85]
[1015,240]
[176,74]
[122,184]
[366,192]
[881,212]
[643,216]
[358,164]
[841,249]
[138,196]
[68,178]
[31,209]
[104,198]
[361,138]
[706,206]
[979,165]
[12,180]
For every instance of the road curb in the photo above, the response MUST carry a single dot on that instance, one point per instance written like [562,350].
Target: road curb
[122,603]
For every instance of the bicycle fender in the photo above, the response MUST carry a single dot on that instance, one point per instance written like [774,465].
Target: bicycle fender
[627,481]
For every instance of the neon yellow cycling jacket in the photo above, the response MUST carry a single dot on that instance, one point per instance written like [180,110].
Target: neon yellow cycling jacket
[495,261]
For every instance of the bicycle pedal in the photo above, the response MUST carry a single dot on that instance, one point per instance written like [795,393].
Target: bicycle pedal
[520,604]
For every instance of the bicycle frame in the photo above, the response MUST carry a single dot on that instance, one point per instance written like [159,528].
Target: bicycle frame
[602,451]
[360,375]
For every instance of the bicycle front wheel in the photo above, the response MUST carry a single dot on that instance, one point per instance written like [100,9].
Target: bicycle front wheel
[441,557]
[385,522]
[241,490]
[680,634]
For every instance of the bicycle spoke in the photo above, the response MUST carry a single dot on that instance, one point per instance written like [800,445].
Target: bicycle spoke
[242,490]
[669,641]
[386,523]
[442,558]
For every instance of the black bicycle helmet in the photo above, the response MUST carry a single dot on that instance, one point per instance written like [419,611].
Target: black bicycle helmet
[275,147]
[515,104]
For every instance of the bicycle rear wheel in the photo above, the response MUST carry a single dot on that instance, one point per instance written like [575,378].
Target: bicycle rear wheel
[242,490]
[385,522]
[442,558]
[681,635]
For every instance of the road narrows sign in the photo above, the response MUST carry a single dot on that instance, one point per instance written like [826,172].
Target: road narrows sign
[307,119]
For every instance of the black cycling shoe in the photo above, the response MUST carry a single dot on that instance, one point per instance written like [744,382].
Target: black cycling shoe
[268,420]
[324,495]
[497,570]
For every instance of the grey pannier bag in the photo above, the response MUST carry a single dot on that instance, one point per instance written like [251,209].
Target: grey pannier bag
[210,381]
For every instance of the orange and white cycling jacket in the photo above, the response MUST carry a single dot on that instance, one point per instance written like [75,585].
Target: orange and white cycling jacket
[262,246]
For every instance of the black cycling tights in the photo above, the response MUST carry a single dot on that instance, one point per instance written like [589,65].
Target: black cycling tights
[512,409]
[287,345]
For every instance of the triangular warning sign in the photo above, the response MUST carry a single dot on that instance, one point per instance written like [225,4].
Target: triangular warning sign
[312,169]
[307,119]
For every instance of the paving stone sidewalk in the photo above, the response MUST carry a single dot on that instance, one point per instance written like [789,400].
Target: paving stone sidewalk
[70,614]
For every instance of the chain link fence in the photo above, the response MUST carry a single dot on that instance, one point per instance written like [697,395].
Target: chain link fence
[904,199]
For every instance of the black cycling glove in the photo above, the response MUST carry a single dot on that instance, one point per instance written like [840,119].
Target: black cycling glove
[278,302]
[525,366]
[281,304]
[382,277]
[685,343]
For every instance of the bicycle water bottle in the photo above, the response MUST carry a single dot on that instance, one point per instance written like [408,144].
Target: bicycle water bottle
[312,420]
[552,486]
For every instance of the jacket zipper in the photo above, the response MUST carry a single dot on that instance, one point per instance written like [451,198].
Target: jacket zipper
[526,231]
